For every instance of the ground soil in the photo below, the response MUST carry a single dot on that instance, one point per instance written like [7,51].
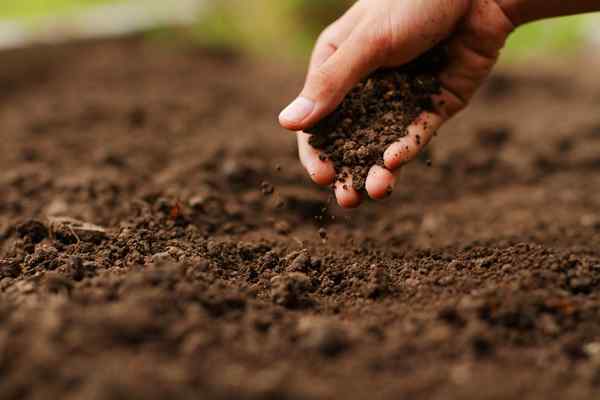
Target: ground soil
[159,239]
[375,114]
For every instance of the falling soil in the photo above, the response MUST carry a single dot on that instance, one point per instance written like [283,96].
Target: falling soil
[159,239]
[375,114]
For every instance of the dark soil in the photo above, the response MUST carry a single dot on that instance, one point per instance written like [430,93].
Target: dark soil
[375,114]
[159,239]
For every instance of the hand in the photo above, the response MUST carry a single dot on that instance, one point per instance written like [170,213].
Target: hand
[390,33]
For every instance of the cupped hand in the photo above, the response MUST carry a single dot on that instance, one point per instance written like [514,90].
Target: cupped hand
[389,33]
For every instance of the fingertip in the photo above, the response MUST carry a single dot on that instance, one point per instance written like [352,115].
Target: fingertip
[380,182]
[418,135]
[399,153]
[346,195]
[293,117]
[321,172]
[285,124]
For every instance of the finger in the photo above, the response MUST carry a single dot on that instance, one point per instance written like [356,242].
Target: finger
[419,133]
[461,78]
[380,182]
[327,84]
[346,195]
[472,53]
[321,171]
[333,37]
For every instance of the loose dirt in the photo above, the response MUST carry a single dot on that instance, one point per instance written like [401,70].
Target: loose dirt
[159,239]
[375,114]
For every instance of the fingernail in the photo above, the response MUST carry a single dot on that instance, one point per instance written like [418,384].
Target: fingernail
[298,110]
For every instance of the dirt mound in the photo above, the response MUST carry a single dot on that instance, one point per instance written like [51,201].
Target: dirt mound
[159,239]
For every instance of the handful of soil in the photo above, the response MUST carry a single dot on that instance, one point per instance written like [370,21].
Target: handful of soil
[375,114]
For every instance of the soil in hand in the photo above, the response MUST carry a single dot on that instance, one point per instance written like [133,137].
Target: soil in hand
[375,114]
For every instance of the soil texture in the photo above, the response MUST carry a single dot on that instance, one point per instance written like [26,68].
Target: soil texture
[159,239]
[375,114]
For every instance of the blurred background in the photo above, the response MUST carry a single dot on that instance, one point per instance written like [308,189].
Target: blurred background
[278,28]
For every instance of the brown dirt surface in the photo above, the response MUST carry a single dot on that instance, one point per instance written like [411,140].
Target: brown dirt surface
[159,239]
[375,114]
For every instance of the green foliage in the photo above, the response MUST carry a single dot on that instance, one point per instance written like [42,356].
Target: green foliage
[268,26]
[291,26]
[559,35]
[25,9]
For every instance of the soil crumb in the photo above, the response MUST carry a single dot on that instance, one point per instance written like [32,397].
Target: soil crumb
[375,114]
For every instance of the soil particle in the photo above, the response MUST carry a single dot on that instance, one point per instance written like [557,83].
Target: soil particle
[323,233]
[33,230]
[301,261]
[291,290]
[162,258]
[282,227]
[267,188]
[325,336]
[9,269]
[378,284]
[494,137]
[375,114]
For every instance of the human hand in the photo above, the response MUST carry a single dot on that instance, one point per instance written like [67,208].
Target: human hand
[390,33]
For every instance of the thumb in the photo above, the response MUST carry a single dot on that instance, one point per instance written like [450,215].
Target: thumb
[327,85]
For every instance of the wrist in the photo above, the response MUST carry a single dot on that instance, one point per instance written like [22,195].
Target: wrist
[511,9]
[523,11]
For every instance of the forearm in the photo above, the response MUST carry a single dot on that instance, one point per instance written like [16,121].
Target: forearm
[523,11]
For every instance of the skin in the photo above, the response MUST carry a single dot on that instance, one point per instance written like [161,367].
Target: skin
[389,33]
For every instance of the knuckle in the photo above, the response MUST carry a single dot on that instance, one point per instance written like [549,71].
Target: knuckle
[380,43]
[328,35]
[323,83]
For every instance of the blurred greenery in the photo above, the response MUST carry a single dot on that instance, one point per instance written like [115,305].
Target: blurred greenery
[289,27]
[293,25]
[26,9]
[556,36]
